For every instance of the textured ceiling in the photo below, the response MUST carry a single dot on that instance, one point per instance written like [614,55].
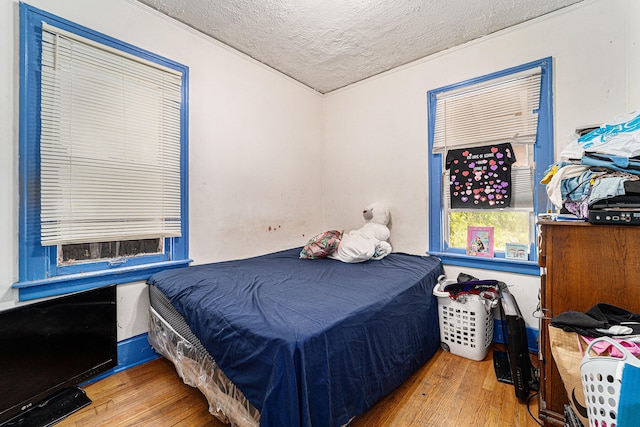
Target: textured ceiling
[329,44]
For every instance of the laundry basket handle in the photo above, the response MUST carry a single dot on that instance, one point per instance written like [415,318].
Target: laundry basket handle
[438,289]
[626,354]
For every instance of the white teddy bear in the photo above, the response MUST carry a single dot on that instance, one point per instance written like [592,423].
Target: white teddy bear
[369,241]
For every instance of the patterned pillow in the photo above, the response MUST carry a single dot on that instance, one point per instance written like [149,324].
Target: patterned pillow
[322,245]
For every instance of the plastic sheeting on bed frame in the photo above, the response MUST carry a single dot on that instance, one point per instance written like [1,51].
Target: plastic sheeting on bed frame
[198,369]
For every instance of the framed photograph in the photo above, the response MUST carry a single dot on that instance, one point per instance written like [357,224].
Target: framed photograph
[480,241]
[517,251]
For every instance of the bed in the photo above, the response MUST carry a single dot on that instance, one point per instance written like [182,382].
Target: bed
[276,340]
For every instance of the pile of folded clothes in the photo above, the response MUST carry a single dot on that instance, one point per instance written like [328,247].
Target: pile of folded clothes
[601,165]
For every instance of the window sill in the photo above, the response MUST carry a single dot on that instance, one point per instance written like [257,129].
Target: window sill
[498,264]
[59,285]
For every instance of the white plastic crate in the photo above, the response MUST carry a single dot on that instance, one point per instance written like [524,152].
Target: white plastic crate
[601,382]
[466,328]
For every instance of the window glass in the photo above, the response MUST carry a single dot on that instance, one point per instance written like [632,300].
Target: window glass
[71,264]
[516,223]
[91,252]
[509,227]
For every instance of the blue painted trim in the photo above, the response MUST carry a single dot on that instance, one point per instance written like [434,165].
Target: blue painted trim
[23,126]
[532,335]
[530,268]
[132,352]
[436,240]
[543,153]
[37,263]
[78,282]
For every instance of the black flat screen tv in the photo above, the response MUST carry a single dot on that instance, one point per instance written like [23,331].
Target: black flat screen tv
[48,348]
[516,361]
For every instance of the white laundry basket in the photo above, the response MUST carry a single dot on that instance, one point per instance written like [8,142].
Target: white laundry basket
[466,326]
[601,381]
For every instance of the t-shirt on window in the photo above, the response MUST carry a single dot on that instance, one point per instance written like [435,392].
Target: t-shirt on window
[480,177]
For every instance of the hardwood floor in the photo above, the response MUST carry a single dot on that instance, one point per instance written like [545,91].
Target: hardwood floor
[448,390]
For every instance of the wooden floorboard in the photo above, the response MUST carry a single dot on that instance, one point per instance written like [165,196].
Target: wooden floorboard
[448,390]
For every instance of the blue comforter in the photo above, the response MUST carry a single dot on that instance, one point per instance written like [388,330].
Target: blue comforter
[311,342]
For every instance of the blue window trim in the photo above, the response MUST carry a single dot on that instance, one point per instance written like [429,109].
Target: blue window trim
[543,154]
[39,275]
[497,264]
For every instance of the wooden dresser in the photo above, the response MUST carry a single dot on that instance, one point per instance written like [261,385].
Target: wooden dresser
[583,264]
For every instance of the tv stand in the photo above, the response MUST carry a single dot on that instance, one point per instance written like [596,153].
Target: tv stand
[502,369]
[51,410]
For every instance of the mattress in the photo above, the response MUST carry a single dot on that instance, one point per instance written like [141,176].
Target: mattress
[170,336]
[310,342]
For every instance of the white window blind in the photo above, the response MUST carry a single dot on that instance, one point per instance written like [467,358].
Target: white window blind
[110,143]
[499,110]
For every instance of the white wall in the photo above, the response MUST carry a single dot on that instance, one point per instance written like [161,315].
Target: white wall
[8,149]
[254,136]
[375,132]
[257,137]
[633,55]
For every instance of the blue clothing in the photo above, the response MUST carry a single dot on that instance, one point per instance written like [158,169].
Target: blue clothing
[607,187]
[578,187]
[621,164]
[629,403]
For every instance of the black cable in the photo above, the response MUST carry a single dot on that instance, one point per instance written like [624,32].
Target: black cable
[529,408]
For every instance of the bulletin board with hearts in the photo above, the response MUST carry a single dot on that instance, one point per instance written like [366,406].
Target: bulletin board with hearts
[480,177]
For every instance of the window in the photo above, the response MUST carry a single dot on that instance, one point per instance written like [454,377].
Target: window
[103,158]
[512,106]
[90,252]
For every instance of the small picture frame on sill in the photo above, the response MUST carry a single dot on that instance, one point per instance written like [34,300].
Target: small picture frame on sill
[516,251]
[480,241]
